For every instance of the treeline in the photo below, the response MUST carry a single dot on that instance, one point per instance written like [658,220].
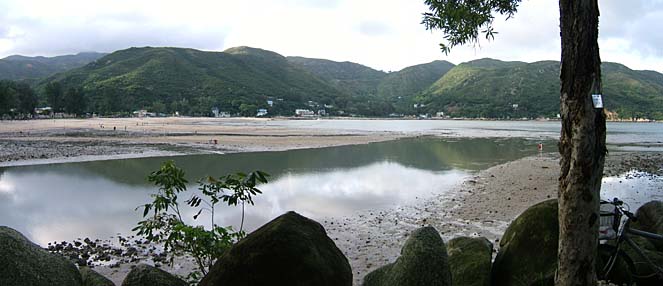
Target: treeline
[17,100]
[72,101]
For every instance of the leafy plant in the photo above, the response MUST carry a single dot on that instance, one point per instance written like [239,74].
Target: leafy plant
[166,225]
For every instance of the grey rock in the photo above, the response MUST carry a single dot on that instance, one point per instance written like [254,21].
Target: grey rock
[470,260]
[146,275]
[423,262]
[24,263]
[289,250]
[528,248]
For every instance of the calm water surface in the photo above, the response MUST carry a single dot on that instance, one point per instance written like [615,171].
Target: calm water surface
[97,199]
[643,135]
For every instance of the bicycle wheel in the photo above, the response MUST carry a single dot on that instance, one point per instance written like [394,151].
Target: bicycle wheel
[614,266]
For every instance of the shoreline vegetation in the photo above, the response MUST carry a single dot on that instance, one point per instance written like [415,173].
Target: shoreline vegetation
[483,205]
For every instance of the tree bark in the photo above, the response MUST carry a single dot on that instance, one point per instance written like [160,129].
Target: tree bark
[582,143]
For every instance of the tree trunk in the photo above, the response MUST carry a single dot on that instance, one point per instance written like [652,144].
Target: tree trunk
[582,143]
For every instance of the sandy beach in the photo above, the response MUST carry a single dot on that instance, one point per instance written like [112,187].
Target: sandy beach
[482,205]
[68,140]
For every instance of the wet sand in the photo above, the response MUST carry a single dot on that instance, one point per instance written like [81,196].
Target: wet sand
[68,140]
[482,205]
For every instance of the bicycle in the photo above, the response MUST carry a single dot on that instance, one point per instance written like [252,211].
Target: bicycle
[614,234]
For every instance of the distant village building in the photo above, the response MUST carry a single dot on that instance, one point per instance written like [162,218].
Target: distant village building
[217,113]
[270,103]
[322,112]
[304,112]
[140,113]
[329,106]
[261,112]
[439,114]
[418,105]
[43,110]
[514,106]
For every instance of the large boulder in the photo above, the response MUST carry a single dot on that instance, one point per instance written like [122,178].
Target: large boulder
[146,275]
[528,249]
[92,278]
[423,262]
[289,250]
[378,276]
[643,271]
[650,219]
[25,263]
[470,260]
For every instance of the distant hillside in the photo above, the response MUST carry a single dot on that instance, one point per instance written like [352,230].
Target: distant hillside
[193,82]
[400,88]
[496,89]
[353,78]
[241,80]
[32,68]
[388,92]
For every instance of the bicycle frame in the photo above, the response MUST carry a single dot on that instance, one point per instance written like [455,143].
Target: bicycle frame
[623,235]
[630,242]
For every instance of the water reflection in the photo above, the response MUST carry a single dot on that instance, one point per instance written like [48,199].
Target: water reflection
[634,188]
[97,199]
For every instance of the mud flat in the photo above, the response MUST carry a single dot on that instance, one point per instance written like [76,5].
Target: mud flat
[482,205]
[69,140]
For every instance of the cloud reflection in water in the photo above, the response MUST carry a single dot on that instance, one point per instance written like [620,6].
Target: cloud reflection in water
[64,205]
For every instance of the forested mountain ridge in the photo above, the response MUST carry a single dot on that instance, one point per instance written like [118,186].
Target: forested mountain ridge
[193,82]
[495,89]
[241,80]
[400,88]
[30,69]
[387,92]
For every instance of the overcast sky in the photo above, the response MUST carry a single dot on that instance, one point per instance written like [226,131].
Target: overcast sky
[383,34]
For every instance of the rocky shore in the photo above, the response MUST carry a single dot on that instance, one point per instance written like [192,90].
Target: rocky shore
[484,205]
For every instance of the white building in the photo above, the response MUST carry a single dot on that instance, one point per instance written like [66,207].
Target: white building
[261,112]
[304,112]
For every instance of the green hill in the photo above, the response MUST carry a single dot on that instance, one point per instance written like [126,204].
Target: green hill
[32,68]
[193,82]
[494,89]
[376,92]
[401,87]
[353,78]
[243,79]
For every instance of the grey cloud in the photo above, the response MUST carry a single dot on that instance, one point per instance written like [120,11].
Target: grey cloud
[371,28]
[637,22]
[312,3]
[107,34]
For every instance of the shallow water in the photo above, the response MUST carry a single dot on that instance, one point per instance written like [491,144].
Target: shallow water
[634,188]
[645,135]
[97,199]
